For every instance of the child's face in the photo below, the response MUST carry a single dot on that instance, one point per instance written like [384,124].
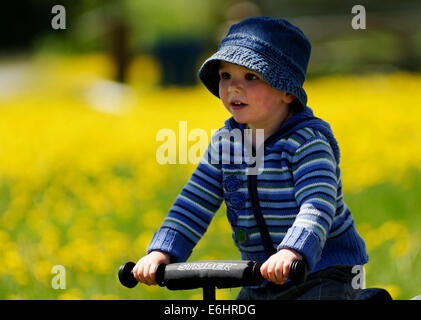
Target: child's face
[250,99]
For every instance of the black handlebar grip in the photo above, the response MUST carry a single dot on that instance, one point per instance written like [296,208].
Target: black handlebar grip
[159,274]
[125,275]
[298,272]
[127,279]
[255,273]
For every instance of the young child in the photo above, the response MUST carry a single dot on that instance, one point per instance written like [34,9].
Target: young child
[258,73]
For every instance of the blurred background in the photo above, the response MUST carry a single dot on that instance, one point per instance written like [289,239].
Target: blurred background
[80,108]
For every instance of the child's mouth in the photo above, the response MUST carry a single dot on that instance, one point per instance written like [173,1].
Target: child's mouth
[238,105]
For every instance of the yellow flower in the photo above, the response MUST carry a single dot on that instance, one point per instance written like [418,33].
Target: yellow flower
[104,297]
[42,271]
[142,241]
[71,294]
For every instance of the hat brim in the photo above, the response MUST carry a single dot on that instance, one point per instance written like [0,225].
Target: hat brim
[273,73]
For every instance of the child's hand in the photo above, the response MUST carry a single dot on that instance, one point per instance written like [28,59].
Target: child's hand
[276,268]
[145,269]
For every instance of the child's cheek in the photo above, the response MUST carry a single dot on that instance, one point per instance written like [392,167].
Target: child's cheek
[223,95]
[221,90]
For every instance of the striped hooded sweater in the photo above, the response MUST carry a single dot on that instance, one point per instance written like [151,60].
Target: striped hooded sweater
[298,188]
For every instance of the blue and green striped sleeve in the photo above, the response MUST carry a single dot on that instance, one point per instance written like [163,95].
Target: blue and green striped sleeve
[315,188]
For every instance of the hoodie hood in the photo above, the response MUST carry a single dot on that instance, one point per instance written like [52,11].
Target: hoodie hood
[302,119]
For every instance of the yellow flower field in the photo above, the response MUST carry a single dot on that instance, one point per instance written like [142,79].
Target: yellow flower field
[80,185]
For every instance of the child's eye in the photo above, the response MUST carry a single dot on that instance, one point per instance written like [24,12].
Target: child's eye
[251,76]
[224,75]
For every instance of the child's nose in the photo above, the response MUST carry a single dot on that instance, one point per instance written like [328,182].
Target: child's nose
[235,85]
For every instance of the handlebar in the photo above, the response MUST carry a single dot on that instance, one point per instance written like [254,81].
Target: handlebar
[201,274]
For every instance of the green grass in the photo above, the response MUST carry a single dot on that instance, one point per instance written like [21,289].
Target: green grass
[388,202]
[373,208]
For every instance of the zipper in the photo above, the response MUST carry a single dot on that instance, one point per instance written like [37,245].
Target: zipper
[252,183]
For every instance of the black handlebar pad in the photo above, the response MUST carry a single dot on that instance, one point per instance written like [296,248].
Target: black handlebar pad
[222,274]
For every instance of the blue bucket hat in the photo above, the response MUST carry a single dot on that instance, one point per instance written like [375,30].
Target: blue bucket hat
[271,47]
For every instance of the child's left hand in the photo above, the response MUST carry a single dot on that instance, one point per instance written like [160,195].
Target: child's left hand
[276,268]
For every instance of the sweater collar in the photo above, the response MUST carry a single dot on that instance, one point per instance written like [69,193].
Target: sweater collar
[297,121]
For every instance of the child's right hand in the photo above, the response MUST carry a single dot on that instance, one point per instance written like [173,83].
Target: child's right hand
[145,269]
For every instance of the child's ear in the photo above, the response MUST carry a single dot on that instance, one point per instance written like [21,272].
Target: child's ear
[289,97]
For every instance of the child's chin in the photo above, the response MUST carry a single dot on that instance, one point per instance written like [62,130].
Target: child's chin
[240,119]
